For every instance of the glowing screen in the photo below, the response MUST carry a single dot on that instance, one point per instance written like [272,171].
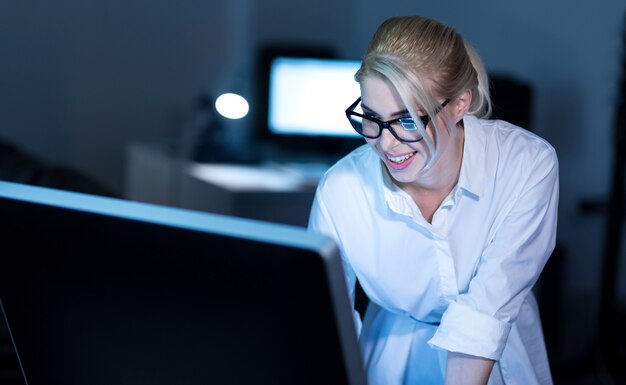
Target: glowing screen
[309,96]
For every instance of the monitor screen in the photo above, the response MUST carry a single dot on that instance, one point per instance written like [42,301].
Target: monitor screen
[308,96]
[104,291]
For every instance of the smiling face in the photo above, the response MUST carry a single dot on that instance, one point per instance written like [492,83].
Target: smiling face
[405,161]
[431,63]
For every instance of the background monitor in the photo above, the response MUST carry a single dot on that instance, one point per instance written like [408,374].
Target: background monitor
[105,291]
[308,96]
[302,93]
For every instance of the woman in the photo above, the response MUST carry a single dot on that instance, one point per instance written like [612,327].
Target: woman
[446,219]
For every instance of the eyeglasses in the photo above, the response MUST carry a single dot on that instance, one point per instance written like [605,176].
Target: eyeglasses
[406,128]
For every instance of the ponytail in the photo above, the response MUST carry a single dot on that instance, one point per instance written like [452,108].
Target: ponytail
[481,100]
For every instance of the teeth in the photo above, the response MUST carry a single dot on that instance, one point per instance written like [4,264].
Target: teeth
[400,159]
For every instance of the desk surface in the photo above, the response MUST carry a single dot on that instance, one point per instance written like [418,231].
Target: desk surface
[270,177]
[272,191]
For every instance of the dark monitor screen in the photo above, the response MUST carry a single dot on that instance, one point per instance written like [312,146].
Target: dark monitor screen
[104,291]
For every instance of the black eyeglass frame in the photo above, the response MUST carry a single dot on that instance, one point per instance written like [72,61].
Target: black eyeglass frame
[425,119]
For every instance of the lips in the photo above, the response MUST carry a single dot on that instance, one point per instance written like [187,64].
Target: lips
[399,162]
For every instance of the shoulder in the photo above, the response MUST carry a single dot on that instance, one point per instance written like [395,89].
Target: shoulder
[352,184]
[512,145]
[355,168]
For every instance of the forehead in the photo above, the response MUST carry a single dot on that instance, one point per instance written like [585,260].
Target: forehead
[379,95]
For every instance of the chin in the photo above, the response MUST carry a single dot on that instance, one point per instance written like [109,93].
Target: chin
[407,175]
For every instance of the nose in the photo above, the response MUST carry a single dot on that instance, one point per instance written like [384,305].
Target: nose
[387,140]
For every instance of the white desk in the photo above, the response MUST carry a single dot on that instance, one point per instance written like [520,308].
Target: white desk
[280,193]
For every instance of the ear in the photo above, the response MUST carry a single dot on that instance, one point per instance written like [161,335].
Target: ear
[461,104]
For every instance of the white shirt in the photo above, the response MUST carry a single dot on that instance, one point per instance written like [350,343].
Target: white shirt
[462,283]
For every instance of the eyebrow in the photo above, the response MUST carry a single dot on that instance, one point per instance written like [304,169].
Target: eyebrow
[401,112]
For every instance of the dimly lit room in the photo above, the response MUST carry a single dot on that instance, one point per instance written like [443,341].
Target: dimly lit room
[213,121]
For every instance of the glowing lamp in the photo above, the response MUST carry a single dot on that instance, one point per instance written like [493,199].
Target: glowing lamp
[232,106]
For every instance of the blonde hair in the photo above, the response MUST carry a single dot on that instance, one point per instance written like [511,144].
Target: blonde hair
[415,53]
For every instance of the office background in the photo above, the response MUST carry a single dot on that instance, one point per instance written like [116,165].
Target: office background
[80,80]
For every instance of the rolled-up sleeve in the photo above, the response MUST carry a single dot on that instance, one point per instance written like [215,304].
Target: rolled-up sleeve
[479,320]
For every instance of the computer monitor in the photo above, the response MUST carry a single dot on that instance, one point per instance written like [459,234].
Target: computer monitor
[308,96]
[301,99]
[104,291]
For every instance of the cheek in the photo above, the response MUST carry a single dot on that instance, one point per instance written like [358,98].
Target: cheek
[430,129]
[372,142]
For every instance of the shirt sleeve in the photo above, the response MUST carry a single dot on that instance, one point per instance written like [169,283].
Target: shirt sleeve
[321,222]
[478,322]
